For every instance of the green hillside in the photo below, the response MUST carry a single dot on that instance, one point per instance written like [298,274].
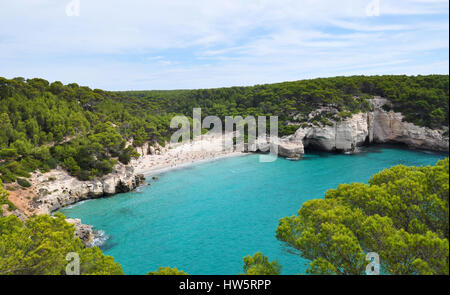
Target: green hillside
[43,124]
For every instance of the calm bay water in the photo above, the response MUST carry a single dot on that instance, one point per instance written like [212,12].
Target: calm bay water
[205,218]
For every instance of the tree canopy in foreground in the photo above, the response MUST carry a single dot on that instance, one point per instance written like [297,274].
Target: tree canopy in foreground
[402,214]
[259,264]
[168,271]
[39,246]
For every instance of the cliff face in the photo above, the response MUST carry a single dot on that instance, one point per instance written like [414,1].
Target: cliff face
[57,188]
[345,135]
[389,127]
[378,126]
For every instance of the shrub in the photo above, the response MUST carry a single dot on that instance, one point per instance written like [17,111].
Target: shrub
[23,182]
[345,114]
[124,158]
[84,175]
[259,264]
[168,271]
[52,163]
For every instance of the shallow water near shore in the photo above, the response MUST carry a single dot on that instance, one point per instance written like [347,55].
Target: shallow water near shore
[205,218]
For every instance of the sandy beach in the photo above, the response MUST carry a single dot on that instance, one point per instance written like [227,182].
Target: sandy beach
[175,156]
[63,189]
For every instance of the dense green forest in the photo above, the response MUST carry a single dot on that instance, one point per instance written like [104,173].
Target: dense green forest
[402,214]
[44,124]
[422,99]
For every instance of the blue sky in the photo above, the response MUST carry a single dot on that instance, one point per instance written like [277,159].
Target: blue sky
[173,44]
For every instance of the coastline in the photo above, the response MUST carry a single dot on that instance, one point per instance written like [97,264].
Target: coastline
[185,157]
[207,149]
[158,170]
[57,189]
[177,156]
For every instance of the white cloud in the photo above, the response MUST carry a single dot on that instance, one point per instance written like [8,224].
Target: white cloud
[200,43]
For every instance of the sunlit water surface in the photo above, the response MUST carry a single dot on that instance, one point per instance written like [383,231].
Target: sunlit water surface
[205,218]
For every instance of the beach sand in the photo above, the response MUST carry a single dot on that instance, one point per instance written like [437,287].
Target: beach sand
[175,156]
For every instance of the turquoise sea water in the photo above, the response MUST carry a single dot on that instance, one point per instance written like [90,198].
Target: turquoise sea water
[205,218]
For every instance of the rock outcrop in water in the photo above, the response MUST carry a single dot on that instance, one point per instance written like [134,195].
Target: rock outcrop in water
[57,188]
[288,147]
[378,126]
[82,231]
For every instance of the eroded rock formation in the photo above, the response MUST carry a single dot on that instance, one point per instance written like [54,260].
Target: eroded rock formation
[57,188]
[82,231]
[378,126]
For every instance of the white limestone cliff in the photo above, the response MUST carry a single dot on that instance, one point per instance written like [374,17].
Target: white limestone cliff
[57,188]
[378,126]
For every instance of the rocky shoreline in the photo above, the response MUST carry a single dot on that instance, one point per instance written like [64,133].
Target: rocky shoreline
[56,189]
[82,231]
[374,127]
